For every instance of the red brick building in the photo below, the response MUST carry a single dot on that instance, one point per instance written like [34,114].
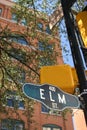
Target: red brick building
[43,119]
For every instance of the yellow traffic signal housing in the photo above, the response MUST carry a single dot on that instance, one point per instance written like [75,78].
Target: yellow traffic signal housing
[82,24]
[62,76]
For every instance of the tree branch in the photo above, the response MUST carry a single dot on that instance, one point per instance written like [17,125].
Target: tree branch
[21,61]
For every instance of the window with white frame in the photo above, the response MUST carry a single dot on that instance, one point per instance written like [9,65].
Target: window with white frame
[12,124]
[12,100]
[51,127]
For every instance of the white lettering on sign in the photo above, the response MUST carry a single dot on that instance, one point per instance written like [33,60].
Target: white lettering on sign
[50,94]
[52,88]
[62,99]
[42,94]
[54,105]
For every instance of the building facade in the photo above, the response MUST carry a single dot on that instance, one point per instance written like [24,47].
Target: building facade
[43,118]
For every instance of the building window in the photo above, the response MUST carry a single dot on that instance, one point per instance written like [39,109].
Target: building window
[23,22]
[45,61]
[3,126]
[10,102]
[12,124]
[18,127]
[44,109]
[14,100]
[41,46]
[0,11]
[47,110]
[48,51]
[21,105]
[44,46]
[51,127]
[48,29]
[15,103]
[14,17]
[18,39]
[40,26]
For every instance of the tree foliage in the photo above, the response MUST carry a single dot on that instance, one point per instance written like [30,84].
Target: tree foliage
[18,61]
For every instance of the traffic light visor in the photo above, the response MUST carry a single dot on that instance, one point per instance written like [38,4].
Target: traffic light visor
[82,24]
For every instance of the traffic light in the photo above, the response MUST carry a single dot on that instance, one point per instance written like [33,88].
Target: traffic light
[62,76]
[82,24]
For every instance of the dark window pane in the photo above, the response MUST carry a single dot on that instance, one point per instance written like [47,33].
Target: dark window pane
[6,124]
[19,125]
[44,109]
[12,124]
[43,46]
[18,39]
[21,104]
[3,126]
[22,41]
[48,29]
[51,127]
[10,102]
[40,26]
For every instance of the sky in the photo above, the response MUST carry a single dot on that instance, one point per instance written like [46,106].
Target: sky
[67,57]
[46,6]
[66,51]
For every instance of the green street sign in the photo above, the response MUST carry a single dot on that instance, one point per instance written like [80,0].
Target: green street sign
[51,96]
